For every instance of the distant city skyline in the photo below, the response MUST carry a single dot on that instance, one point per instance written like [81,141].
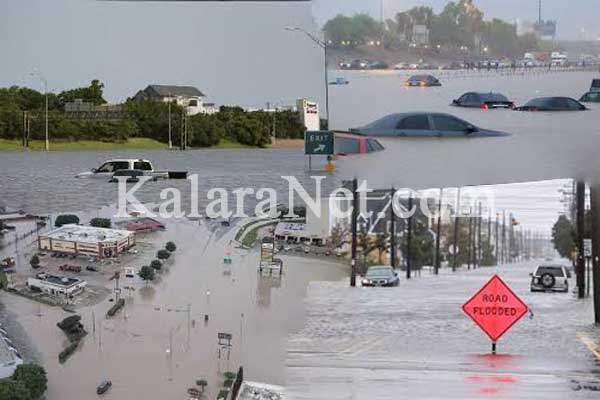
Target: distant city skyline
[575,22]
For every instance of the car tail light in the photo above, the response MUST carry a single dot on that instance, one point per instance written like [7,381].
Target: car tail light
[484,106]
[422,83]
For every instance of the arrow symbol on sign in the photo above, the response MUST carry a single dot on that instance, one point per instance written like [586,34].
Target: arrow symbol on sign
[320,148]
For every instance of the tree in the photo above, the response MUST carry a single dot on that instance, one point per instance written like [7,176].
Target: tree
[381,245]
[101,223]
[35,261]
[170,247]
[146,273]
[563,236]
[66,219]
[91,94]
[33,377]
[14,390]
[156,264]
[163,255]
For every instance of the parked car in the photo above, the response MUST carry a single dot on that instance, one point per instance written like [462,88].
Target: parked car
[422,81]
[483,100]
[91,268]
[377,65]
[381,275]
[422,124]
[552,104]
[590,97]
[550,278]
[103,387]
[70,268]
[401,65]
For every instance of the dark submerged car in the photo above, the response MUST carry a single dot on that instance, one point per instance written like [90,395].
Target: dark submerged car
[483,100]
[422,81]
[103,387]
[552,104]
[424,125]
[381,276]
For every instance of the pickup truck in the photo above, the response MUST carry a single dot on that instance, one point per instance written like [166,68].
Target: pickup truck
[107,169]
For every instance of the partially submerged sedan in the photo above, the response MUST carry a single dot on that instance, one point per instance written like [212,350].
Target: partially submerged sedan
[422,124]
[422,81]
[590,97]
[483,100]
[552,104]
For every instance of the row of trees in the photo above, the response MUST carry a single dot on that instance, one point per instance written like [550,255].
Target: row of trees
[459,24]
[139,119]
[422,245]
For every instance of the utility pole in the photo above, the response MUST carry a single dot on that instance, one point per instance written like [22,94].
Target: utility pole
[503,237]
[580,201]
[489,233]
[455,245]
[392,230]
[479,221]
[355,205]
[438,258]
[595,214]
[496,238]
[469,241]
[170,124]
[409,238]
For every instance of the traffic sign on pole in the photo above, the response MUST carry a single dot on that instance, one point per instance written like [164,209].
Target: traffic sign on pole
[318,143]
[495,308]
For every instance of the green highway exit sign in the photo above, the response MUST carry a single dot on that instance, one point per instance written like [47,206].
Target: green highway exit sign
[318,143]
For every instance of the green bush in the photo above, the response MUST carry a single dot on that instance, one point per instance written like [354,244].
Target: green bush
[170,247]
[146,273]
[223,394]
[65,220]
[163,255]
[156,264]
[101,223]
[11,389]
[33,377]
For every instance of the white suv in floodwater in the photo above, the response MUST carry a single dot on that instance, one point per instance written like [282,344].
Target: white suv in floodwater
[551,278]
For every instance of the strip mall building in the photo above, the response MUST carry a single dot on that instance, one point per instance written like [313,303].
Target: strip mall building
[87,241]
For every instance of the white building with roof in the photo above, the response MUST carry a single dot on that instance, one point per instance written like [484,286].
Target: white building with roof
[188,97]
[87,241]
[56,285]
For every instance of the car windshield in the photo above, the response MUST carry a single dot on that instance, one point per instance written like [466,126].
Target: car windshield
[554,271]
[379,272]
[493,97]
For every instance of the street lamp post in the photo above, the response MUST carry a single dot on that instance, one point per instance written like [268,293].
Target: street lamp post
[45,82]
[323,45]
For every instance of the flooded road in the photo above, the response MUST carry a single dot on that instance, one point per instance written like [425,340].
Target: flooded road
[414,341]
[131,348]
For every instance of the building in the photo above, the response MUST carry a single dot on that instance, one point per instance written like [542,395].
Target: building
[87,241]
[56,285]
[298,232]
[82,110]
[188,97]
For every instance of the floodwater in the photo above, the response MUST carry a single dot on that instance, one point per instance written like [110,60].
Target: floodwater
[414,341]
[132,348]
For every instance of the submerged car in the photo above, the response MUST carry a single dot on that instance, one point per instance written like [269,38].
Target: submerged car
[552,278]
[595,86]
[422,81]
[103,387]
[423,124]
[590,97]
[381,275]
[348,143]
[483,100]
[552,104]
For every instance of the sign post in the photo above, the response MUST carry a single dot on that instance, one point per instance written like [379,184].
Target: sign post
[495,308]
[318,143]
